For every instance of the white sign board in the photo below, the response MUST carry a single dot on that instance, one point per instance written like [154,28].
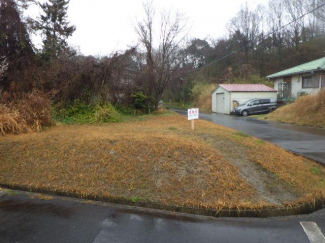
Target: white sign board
[193,114]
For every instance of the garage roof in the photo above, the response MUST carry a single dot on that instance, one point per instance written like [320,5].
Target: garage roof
[247,88]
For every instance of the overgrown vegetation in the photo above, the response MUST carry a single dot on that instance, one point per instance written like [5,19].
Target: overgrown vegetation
[308,110]
[201,95]
[79,112]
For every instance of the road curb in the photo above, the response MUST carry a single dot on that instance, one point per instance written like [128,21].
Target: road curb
[302,208]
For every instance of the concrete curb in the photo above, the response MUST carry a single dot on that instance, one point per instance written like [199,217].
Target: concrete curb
[303,208]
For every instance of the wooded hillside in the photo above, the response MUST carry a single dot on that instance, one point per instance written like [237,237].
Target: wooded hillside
[259,41]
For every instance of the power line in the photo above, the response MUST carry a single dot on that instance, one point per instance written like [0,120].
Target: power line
[271,33]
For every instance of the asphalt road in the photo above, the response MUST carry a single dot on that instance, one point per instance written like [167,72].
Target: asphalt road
[24,219]
[306,141]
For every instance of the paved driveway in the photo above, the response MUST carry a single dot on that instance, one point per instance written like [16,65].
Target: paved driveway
[306,141]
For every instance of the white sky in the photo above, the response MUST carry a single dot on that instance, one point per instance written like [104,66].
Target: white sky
[104,26]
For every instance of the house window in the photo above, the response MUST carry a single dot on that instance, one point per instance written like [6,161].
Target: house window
[323,81]
[310,81]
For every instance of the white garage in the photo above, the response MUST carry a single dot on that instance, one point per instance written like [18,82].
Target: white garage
[227,96]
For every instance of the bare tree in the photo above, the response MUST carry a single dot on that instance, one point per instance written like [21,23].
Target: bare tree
[161,54]
[276,17]
[248,23]
[319,15]
[295,10]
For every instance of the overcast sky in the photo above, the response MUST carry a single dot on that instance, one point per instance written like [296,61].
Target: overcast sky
[105,26]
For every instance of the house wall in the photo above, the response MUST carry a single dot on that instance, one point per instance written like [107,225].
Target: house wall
[276,83]
[240,97]
[297,85]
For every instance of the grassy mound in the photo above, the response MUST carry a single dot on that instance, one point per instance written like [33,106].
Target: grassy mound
[156,159]
[307,110]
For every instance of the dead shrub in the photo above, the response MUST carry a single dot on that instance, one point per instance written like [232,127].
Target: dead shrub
[11,121]
[24,113]
[35,108]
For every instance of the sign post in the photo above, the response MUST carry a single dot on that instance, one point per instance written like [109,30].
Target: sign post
[192,114]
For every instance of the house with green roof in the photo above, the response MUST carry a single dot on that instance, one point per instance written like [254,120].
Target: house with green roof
[307,78]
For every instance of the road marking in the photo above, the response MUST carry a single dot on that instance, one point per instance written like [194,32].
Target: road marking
[313,232]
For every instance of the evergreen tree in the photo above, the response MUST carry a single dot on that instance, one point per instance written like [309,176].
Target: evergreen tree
[14,39]
[55,27]
[16,51]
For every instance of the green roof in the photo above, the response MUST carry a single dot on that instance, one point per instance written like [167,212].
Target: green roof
[317,65]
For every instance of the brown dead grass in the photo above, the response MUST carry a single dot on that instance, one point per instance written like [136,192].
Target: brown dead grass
[307,110]
[301,174]
[146,160]
[298,172]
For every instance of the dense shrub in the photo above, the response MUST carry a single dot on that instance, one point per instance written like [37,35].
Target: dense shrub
[127,110]
[79,112]
[143,102]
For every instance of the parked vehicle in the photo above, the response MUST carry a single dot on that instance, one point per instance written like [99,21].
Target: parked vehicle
[256,106]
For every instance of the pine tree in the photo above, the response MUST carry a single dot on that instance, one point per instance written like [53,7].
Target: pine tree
[55,27]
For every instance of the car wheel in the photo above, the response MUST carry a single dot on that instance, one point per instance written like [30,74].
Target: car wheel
[245,113]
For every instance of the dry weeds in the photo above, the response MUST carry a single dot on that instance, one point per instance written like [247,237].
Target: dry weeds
[11,121]
[148,161]
[307,110]
[28,113]
[202,96]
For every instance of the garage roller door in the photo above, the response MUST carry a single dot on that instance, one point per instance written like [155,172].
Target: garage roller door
[220,103]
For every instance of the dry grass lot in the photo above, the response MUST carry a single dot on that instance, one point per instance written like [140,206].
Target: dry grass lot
[159,159]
